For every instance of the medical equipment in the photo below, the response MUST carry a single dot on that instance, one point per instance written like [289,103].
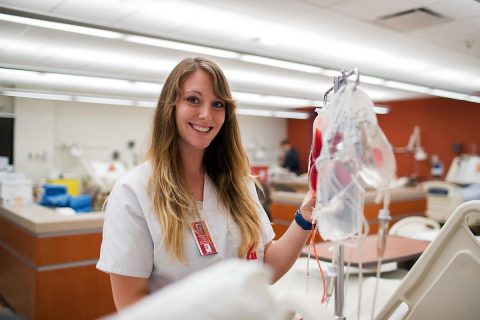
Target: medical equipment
[444,282]
[464,169]
[354,153]
[437,167]
[414,146]
[461,184]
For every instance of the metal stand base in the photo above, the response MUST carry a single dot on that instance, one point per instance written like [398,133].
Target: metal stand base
[339,285]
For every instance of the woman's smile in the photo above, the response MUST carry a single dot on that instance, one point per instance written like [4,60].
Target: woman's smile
[200,128]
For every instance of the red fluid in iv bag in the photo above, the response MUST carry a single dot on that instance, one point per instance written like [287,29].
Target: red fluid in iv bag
[377,156]
[315,150]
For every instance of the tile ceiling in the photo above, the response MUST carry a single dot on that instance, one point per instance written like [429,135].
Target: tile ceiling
[337,34]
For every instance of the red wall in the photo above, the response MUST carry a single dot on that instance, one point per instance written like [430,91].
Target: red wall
[299,133]
[442,122]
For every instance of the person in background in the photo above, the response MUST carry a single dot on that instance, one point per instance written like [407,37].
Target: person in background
[290,157]
[196,176]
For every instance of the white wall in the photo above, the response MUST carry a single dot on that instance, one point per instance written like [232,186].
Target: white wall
[34,137]
[99,130]
[44,128]
[262,133]
[6,104]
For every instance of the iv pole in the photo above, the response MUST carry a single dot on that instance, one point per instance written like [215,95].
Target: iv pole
[338,82]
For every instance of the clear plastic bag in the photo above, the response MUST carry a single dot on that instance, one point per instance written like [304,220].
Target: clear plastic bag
[354,152]
[315,148]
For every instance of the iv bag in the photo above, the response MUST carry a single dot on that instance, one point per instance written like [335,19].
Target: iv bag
[373,152]
[315,148]
[354,152]
[377,162]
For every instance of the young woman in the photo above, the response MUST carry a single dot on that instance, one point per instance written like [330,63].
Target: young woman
[193,202]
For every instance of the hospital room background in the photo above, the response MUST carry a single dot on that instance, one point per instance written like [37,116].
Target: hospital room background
[76,107]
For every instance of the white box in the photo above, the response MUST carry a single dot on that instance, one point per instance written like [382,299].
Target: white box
[18,191]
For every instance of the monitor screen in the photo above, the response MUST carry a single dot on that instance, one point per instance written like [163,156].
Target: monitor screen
[6,137]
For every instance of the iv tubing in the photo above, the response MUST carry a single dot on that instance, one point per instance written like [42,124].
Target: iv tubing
[379,263]
[308,263]
[382,232]
[312,241]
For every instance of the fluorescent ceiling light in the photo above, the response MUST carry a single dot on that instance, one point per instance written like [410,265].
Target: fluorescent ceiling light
[146,104]
[62,26]
[36,95]
[101,100]
[148,86]
[181,46]
[255,112]
[291,114]
[265,79]
[273,113]
[450,94]
[16,73]
[407,87]
[381,109]
[287,101]
[371,80]
[331,73]
[270,100]
[86,81]
[138,103]
[474,99]
[281,64]
[244,98]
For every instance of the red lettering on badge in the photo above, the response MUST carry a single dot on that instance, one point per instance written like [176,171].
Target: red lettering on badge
[202,237]
[252,254]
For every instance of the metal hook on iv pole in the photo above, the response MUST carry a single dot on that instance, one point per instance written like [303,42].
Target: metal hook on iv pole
[341,81]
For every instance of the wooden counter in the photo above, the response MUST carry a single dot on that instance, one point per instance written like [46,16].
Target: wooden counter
[405,202]
[47,264]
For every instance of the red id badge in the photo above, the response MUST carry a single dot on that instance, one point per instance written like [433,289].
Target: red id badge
[202,237]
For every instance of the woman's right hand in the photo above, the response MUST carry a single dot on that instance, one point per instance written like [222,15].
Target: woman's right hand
[307,205]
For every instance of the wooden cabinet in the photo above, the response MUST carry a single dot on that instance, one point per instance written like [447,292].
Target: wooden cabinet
[53,275]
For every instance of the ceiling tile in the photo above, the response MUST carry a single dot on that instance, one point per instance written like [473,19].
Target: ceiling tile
[473,21]
[323,3]
[272,10]
[373,9]
[450,34]
[35,5]
[457,8]
[102,12]
[149,22]
[427,2]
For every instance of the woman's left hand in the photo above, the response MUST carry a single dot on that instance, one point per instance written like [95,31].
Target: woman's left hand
[307,205]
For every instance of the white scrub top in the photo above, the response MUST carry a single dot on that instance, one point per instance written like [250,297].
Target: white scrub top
[132,237]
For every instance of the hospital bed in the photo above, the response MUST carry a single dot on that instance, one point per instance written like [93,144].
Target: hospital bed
[444,283]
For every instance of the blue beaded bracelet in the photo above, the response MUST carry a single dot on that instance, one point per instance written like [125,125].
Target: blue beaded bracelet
[304,224]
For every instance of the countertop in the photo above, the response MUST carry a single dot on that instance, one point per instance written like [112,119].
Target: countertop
[42,220]
[399,194]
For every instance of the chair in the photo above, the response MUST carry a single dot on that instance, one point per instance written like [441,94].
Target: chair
[420,228]
[444,283]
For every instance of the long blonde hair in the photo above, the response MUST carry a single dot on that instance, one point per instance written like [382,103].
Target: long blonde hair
[225,162]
